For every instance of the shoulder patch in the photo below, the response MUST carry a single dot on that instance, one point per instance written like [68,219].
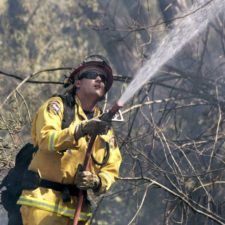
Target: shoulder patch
[53,107]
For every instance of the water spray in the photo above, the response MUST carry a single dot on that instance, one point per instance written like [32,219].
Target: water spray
[186,27]
[193,23]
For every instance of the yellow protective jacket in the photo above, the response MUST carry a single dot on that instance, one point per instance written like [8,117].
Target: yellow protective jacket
[54,164]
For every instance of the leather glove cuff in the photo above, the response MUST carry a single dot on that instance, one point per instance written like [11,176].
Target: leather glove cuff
[97,185]
[78,133]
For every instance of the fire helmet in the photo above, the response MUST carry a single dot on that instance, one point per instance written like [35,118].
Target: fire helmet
[96,61]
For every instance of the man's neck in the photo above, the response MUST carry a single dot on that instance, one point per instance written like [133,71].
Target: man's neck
[87,103]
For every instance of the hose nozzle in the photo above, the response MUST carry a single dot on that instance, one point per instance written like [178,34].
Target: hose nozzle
[108,116]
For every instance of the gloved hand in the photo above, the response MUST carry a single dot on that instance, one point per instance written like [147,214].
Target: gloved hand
[91,127]
[86,180]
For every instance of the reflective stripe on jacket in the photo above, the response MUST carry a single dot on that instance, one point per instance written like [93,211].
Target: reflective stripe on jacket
[53,163]
[49,206]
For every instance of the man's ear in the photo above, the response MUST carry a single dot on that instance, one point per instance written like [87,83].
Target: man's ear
[77,83]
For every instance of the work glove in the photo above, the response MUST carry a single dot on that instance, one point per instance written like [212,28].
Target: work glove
[91,127]
[86,180]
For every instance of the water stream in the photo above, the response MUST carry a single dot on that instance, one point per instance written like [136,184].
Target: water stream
[189,25]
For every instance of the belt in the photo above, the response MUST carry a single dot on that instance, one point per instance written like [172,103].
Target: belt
[31,180]
[70,188]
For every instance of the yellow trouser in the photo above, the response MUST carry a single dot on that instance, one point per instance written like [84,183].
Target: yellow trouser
[35,216]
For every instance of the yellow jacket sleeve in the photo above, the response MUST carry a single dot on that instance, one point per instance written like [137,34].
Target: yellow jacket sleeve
[46,129]
[110,171]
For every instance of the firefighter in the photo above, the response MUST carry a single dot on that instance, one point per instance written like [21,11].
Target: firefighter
[51,187]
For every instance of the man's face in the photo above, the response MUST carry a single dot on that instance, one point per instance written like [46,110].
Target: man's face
[91,83]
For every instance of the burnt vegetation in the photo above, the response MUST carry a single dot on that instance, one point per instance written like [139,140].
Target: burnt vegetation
[172,139]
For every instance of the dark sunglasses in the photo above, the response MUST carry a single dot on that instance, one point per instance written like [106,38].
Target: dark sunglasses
[92,75]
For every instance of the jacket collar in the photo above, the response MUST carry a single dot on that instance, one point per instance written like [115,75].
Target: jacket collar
[80,111]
